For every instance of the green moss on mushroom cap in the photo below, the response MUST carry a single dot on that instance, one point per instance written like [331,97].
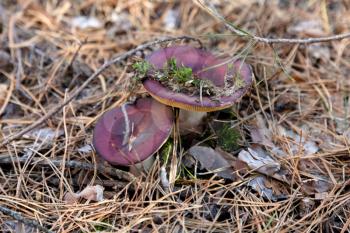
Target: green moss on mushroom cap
[229,81]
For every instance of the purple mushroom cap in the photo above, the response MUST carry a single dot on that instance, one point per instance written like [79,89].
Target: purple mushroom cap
[150,124]
[198,60]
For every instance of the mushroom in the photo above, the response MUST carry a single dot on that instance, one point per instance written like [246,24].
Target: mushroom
[205,66]
[131,134]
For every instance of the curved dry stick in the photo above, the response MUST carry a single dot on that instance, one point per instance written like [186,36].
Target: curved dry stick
[123,175]
[25,221]
[92,77]
[209,7]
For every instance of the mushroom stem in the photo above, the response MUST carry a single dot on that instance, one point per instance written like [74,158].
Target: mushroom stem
[190,121]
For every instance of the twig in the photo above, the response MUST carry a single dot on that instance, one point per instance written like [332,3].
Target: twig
[116,184]
[92,77]
[80,44]
[25,221]
[209,7]
[73,164]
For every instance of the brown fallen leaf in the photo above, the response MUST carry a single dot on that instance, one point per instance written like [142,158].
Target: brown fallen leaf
[301,140]
[260,134]
[213,161]
[267,188]
[317,186]
[257,159]
[239,167]
[94,193]
[306,206]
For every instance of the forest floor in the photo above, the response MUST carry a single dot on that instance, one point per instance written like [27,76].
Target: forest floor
[285,144]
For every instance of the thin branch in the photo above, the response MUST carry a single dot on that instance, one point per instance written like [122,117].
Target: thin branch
[115,60]
[210,8]
[123,175]
[25,221]
[75,55]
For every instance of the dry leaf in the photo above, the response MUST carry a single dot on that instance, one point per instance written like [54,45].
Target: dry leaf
[212,160]
[94,193]
[307,145]
[260,161]
[260,134]
[266,189]
[240,168]
[306,206]
[317,187]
